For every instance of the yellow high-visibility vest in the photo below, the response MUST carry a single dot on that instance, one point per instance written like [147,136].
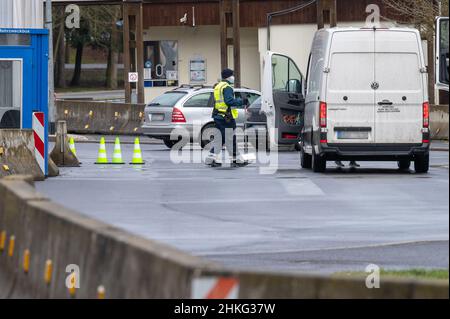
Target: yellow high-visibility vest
[219,99]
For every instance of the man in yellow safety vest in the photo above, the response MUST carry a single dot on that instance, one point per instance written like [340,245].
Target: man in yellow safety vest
[225,114]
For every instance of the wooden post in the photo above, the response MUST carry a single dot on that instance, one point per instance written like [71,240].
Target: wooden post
[223,34]
[126,52]
[133,48]
[320,20]
[236,43]
[140,53]
[330,7]
[230,10]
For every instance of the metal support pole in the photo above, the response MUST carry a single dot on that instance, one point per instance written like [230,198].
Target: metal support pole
[51,84]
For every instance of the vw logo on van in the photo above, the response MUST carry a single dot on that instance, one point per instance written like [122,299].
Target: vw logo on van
[375,85]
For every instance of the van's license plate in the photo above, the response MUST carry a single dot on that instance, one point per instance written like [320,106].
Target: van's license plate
[352,135]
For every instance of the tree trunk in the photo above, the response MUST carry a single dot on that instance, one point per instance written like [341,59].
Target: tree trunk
[113,55]
[60,79]
[78,60]
[111,71]
[67,55]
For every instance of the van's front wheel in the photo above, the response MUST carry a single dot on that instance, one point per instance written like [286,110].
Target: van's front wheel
[422,163]
[319,164]
[305,158]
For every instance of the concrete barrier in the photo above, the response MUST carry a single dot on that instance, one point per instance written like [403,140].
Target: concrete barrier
[17,154]
[90,117]
[128,266]
[439,122]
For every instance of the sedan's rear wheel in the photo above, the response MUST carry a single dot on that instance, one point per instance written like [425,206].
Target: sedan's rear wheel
[169,143]
[207,137]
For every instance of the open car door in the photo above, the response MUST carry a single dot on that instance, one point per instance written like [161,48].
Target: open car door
[283,99]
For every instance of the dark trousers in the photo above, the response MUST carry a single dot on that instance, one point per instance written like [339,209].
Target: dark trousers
[228,140]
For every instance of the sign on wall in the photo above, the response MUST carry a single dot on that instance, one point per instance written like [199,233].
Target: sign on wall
[197,70]
[133,77]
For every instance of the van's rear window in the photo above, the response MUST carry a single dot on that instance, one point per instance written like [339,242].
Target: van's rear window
[168,99]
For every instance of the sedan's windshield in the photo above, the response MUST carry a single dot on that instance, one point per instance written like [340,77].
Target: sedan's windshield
[168,99]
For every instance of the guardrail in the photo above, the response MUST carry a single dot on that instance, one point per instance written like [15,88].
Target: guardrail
[40,242]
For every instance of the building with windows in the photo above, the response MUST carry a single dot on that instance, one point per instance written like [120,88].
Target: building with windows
[174,42]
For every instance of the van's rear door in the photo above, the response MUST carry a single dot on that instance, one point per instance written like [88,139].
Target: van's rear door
[400,95]
[350,95]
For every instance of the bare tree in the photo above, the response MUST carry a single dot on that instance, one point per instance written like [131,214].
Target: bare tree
[422,14]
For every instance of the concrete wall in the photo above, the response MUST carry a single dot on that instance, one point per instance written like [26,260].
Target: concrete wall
[131,267]
[439,122]
[17,154]
[204,41]
[88,117]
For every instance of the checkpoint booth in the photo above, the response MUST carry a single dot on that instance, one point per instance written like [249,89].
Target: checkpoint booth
[24,85]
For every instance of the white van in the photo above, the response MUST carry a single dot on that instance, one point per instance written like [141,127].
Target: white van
[366,99]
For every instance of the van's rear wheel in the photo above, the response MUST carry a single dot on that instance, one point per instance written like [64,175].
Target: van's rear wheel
[422,164]
[305,158]
[404,165]
[319,164]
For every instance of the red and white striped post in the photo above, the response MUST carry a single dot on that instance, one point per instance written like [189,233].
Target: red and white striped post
[40,140]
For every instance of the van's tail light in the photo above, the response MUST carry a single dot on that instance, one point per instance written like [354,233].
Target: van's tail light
[323,114]
[178,116]
[426,115]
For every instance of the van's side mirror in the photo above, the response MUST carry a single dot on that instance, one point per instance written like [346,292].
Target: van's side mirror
[294,86]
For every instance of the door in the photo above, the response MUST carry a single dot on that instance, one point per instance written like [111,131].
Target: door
[400,95]
[11,77]
[283,99]
[198,109]
[350,93]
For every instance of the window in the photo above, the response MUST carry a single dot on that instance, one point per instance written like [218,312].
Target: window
[286,75]
[168,99]
[443,49]
[15,39]
[252,97]
[161,63]
[10,93]
[199,100]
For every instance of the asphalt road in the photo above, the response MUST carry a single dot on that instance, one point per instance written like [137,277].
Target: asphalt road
[291,220]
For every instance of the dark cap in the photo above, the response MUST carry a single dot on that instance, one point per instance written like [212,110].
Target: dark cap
[227,73]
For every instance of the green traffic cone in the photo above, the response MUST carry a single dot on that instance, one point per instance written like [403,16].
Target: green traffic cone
[137,154]
[102,157]
[117,156]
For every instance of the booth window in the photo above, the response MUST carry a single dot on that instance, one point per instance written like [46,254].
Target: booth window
[10,93]
[161,63]
[15,39]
